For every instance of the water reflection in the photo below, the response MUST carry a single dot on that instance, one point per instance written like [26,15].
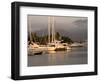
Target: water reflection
[57,56]
[69,57]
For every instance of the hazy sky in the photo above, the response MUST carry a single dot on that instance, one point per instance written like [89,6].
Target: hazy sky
[74,27]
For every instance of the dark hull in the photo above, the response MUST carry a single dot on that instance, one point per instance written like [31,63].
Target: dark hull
[60,49]
[38,53]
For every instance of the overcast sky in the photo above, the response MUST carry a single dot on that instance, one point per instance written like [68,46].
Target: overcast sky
[74,27]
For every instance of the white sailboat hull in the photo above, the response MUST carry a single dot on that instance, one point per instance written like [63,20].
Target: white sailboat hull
[51,48]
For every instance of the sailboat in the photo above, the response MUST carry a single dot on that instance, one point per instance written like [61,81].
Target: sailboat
[33,48]
[54,44]
[51,44]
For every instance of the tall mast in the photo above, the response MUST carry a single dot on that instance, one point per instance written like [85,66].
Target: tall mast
[48,29]
[53,31]
[52,28]
[30,34]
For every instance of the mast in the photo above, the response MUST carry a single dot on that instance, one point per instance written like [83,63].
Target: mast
[49,29]
[30,34]
[53,30]
[52,27]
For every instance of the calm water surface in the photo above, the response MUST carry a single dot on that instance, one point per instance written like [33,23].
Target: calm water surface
[68,57]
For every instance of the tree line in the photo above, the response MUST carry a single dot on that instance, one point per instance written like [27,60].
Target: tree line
[43,40]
